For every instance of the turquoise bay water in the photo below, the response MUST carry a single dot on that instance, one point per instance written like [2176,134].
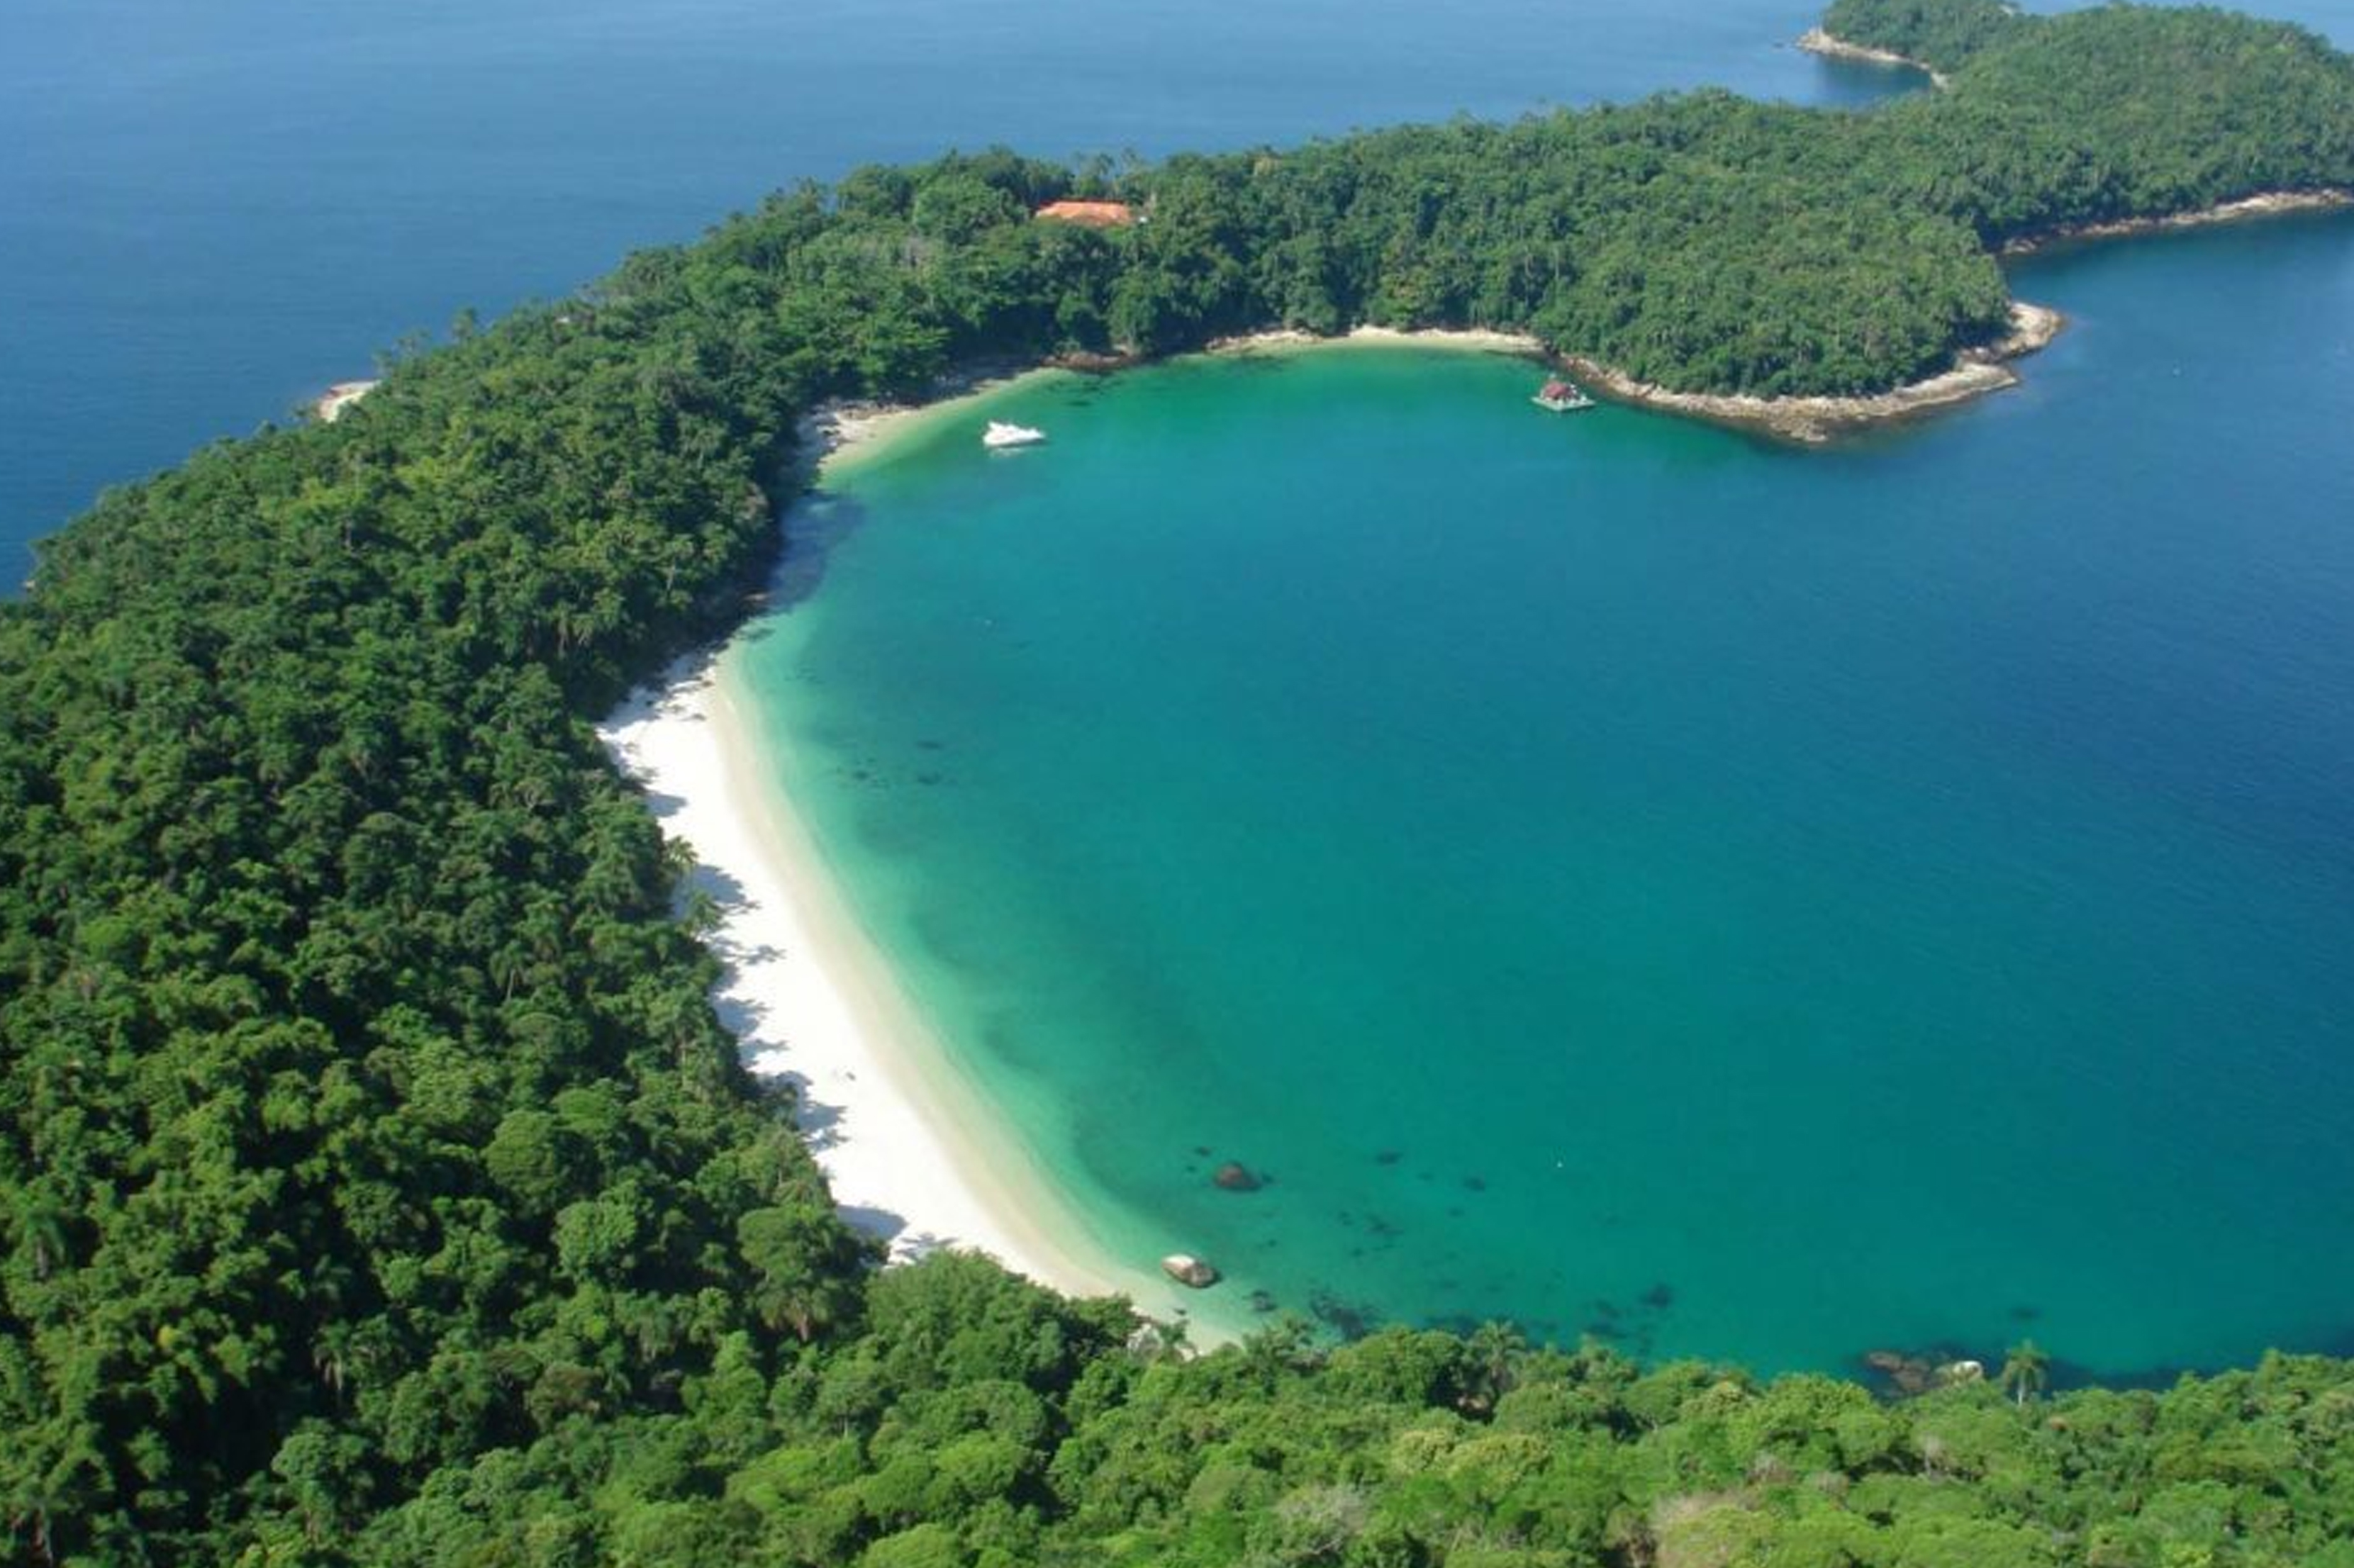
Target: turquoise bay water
[1624,876]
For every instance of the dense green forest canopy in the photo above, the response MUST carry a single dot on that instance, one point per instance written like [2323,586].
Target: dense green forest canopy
[377,1184]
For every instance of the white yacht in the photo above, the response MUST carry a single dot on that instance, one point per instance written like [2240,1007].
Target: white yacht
[1001,434]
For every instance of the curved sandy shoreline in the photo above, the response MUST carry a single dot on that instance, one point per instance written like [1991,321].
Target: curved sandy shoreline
[842,433]
[1470,340]
[911,1150]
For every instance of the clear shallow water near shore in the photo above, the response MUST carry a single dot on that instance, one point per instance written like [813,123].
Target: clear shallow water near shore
[1621,875]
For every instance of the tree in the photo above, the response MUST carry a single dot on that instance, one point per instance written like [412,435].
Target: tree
[1493,1353]
[2025,1370]
[805,1267]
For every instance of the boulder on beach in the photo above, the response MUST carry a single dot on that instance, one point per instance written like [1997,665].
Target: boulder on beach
[1189,1271]
[1237,1177]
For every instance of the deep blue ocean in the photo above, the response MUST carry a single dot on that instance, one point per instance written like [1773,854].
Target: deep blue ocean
[1611,871]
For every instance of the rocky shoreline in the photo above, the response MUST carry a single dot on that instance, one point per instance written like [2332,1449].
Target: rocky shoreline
[2270,204]
[1814,41]
[1976,373]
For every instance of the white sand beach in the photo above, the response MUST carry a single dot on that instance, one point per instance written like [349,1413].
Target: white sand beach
[903,1142]
[844,431]
[1475,340]
[1815,41]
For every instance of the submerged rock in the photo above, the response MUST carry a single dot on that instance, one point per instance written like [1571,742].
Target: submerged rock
[1351,1319]
[1237,1177]
[1907,1374]
[1189,1271]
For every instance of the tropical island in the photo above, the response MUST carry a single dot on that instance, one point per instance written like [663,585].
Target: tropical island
[380,1185]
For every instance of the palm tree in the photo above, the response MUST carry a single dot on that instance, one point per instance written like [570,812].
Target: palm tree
[2025,1370]
[1492,1354]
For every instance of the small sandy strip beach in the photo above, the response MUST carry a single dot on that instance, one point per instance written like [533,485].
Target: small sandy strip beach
[1814,41]
[844,430]
[907,1147]
[340,396]
[1476,340]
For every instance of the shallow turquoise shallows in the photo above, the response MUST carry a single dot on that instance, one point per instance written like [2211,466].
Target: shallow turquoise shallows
[1631,879]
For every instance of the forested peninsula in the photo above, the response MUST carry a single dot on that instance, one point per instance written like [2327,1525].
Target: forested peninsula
[377,1185]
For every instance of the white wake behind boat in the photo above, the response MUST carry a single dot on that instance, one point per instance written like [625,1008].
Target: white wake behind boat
[1000,435]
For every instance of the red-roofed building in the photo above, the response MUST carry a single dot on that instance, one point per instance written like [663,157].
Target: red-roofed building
[1089,214]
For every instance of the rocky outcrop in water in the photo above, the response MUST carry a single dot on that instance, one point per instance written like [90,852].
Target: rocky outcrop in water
[1192,1272]
[1236,1177]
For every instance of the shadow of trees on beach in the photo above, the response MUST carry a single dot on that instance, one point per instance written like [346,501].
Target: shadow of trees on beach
[815,525]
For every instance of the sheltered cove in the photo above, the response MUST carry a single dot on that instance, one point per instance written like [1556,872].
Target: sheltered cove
[1805,419]
[853,429]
